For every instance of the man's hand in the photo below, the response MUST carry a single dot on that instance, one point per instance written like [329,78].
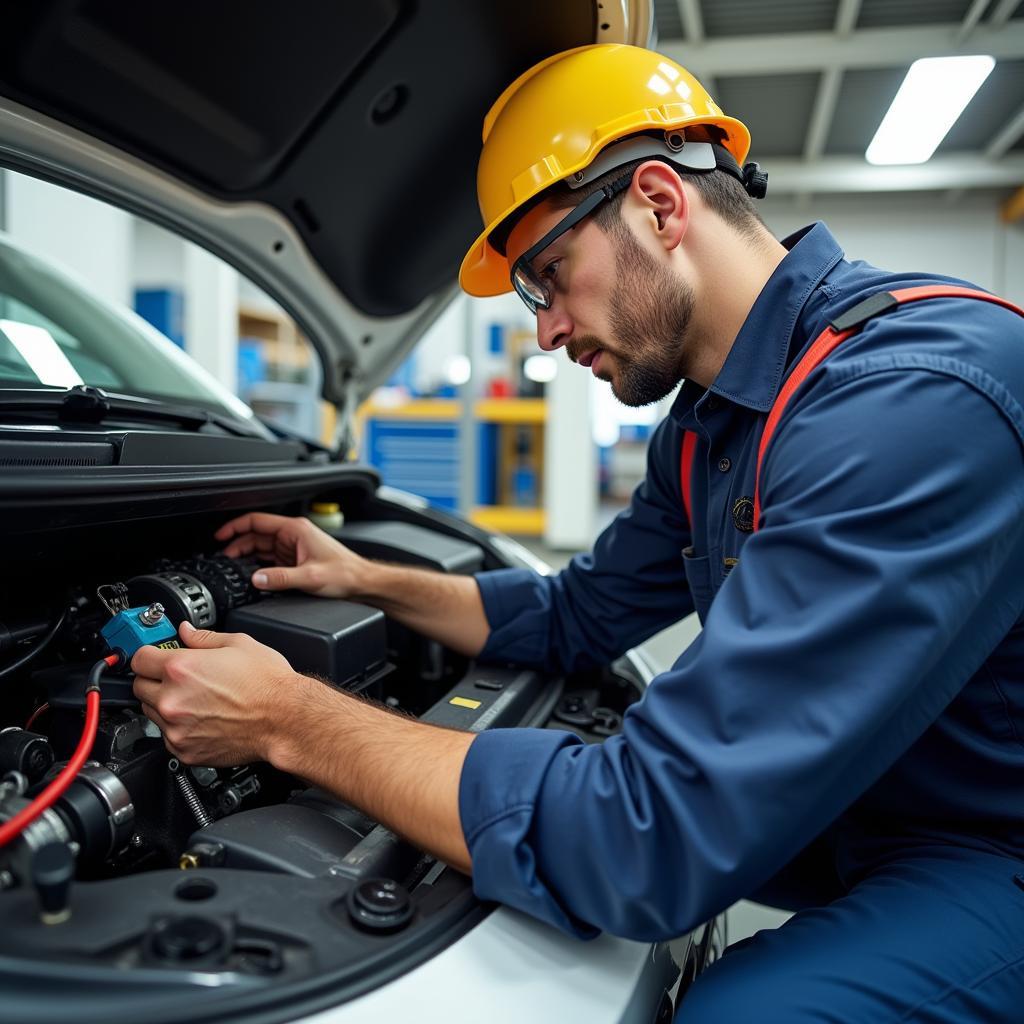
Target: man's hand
[218,702]
[445,607]
[227,700]
[301,555]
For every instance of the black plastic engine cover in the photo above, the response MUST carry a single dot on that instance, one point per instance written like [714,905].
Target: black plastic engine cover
[411,545]
[288,839]
[337,640]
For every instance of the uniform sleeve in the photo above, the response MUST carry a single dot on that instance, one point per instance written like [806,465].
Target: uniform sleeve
[888,565]
[604,603]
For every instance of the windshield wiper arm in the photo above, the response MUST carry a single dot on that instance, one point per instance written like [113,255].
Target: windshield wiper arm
[86,404]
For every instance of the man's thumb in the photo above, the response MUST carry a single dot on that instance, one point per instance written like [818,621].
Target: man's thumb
[278,578]
[202,638]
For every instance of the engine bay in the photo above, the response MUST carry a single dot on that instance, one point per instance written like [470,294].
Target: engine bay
[244,874]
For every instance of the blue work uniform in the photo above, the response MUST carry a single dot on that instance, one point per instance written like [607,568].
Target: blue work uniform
[846,734]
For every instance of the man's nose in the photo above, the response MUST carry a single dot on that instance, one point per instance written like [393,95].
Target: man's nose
[554,329]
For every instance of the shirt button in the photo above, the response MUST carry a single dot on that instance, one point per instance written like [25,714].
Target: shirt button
[724,465]
[712,403]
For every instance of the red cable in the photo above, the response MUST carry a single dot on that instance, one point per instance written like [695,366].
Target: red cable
[49,796]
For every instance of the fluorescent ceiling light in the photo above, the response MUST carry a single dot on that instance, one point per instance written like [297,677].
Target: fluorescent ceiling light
[44,356]
[931,98]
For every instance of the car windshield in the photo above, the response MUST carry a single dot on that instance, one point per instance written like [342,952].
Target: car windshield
[53,333]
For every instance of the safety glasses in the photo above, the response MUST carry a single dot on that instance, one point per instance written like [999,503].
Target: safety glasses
[529,285]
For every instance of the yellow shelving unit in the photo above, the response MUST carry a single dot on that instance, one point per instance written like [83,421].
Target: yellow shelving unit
[527,522]
[511,410]
[531,413]
[487,410]
[414,409]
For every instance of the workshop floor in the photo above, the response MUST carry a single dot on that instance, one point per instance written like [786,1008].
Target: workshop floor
[663,648]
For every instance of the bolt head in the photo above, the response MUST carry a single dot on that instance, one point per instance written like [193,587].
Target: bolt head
[153,614]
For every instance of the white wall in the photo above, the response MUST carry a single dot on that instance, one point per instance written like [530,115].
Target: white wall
[158,257]
[444,339]
[908,232]
[211,314]
[89,238]
[1013,262]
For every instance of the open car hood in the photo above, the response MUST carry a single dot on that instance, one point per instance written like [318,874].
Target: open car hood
[329,153]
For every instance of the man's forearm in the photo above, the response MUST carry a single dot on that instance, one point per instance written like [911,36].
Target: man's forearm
[445,608]
[400,772]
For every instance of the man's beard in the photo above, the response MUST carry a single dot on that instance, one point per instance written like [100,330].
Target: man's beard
[651,311]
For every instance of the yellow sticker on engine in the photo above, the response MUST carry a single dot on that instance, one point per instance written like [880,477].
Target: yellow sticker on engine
[465,702]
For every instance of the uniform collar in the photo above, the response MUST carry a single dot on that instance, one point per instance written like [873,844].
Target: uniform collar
[753,371]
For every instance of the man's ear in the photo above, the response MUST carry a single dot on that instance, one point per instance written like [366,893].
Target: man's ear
[657,190]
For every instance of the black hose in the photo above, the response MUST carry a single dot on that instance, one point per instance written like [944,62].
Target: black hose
[41,646]
[97,670]
[11,636]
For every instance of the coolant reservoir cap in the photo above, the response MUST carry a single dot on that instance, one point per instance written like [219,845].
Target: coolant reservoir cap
[327,515]
[380,905]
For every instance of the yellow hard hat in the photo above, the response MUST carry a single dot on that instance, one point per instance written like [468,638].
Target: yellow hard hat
[555,118]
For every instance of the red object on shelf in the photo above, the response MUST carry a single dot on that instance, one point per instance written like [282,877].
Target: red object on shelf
[499,387]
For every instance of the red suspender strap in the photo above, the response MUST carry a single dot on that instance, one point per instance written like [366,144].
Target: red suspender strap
[685,470]
[839,330]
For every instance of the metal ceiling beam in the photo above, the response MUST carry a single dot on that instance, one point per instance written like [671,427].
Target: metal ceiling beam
[828,88]
[864,48]
[847,15]
[693,29]
[1008,137]
[1001,13]
[971,19]
[693,23]
[821,116]
[967,26]
[854,174]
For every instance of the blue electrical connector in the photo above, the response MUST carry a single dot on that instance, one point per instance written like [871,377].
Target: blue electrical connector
[133,628]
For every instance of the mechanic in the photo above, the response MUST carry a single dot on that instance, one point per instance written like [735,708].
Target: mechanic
[846,736]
